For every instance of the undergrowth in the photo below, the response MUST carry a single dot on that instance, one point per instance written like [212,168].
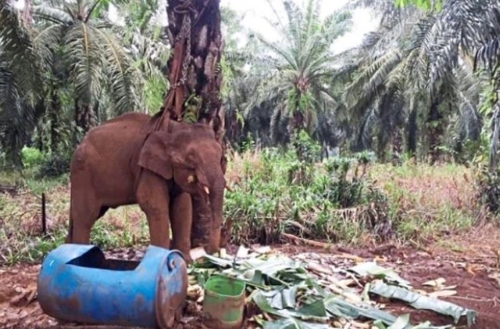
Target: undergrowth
[347,200]
[275,193]
[21,236]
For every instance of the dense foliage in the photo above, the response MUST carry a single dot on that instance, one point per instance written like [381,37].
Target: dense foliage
[416,85]
[65,67]
[422,84]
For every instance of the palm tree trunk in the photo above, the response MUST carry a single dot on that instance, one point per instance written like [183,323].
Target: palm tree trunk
[83,118]
[55,107]
[201,67]
[412,133]
[194,71]
[397,146]
[436,130]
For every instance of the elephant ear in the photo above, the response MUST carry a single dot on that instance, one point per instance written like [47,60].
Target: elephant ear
[155,156]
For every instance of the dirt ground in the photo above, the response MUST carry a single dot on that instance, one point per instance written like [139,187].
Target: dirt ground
[476,277]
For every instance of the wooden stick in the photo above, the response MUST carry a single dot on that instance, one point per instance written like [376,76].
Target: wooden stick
[44,216]
[306,241]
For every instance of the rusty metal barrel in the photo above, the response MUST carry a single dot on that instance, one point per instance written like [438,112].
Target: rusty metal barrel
[77,283]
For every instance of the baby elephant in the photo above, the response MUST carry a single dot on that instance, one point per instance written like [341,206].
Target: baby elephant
[122,162]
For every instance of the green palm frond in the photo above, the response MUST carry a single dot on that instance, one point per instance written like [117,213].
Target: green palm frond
[367,126]
[311,18]
[488,54]
[17,49]
[283,52]
[20,80]
[462,26]
[294,26]
[119,72]
[371,39]
[85,60]
[147,51]
[336,25]
[59,16]
[299,64]
[17,118]
[413,61]
[45,40]
[381,69]
[372,76]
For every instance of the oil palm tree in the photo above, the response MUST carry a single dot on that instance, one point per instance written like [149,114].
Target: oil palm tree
[95,59]
[297,74]
[465,29]
[20,81]
[415,74]
[145,40]
[72,62]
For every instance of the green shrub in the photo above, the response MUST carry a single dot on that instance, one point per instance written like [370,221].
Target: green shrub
[306,148]
[54,165]
[31,157]
[488,187]
[332,201]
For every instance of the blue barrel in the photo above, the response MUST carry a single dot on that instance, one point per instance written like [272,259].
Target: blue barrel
[78,284]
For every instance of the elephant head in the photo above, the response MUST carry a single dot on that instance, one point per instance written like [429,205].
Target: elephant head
[191,156]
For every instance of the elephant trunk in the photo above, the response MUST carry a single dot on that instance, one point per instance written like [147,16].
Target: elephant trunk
[216,206]
[202,222]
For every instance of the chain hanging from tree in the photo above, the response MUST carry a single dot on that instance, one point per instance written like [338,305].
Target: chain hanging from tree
[172,105]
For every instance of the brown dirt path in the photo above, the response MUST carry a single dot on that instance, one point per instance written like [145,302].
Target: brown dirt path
[476,288]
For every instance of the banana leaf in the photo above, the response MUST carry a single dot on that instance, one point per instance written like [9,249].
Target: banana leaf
[291,323]
[379,272]
[419,301]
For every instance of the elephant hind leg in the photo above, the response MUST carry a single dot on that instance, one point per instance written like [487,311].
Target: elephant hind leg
[85,210]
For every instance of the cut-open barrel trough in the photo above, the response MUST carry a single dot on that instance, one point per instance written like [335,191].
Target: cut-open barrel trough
[77,283]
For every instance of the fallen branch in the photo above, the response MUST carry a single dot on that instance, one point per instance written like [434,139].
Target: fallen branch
[306,241]
[44,216]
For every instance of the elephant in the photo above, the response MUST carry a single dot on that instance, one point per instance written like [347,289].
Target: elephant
[124,161]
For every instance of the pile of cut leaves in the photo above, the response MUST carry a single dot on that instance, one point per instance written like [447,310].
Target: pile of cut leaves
[306,292]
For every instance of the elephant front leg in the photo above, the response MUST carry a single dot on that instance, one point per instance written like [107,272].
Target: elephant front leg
[153,198]
[201,228]
[181,216]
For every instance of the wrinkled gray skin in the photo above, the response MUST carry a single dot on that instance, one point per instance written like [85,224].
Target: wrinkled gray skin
[113,166]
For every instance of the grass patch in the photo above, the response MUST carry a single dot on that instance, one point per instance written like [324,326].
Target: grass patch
[426,203]
[21,237]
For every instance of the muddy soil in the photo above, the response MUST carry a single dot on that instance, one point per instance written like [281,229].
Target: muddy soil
[477,283]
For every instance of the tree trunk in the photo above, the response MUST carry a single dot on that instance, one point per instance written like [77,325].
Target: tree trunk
[200,69]
[196,78]
[397,147]
[83,119]
[54,113]
[412,133]
[436,130]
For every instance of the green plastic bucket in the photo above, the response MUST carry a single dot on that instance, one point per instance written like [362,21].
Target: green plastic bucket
[224,301]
